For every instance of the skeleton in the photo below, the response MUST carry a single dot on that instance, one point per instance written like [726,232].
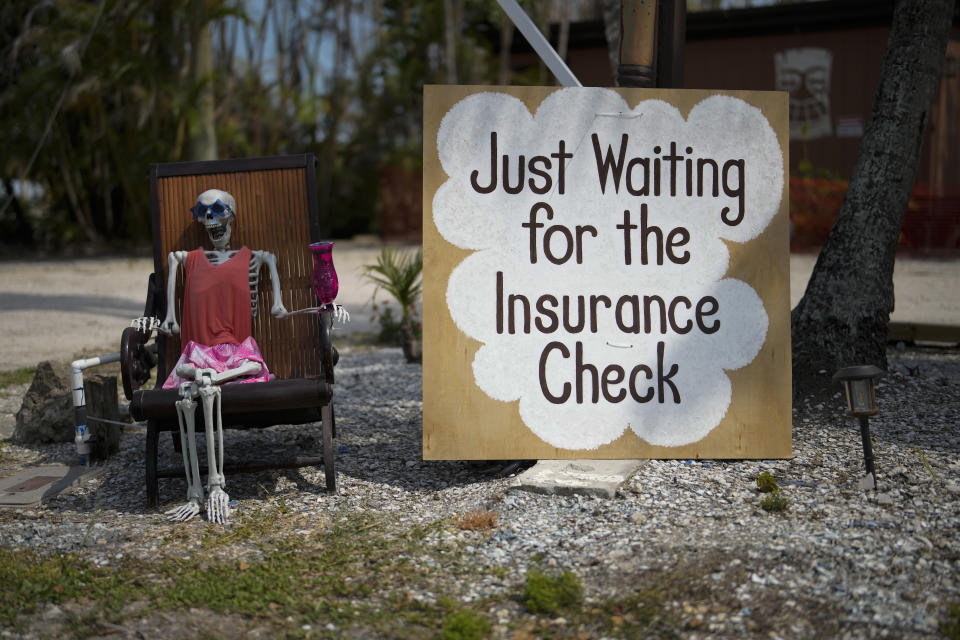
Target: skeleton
[215,210]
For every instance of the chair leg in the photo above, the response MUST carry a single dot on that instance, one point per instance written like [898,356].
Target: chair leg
[326,414]
[153,488]
[333,419]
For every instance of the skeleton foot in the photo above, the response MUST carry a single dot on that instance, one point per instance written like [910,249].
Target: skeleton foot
[184,512]
[218,506]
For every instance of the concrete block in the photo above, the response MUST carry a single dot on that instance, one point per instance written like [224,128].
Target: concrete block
[600,478]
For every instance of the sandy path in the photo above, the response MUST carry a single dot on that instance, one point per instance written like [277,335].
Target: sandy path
[62,309]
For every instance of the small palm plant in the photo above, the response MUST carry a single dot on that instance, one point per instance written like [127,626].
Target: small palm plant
[398,273]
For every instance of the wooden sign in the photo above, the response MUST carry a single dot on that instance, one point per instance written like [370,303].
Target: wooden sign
[606,274]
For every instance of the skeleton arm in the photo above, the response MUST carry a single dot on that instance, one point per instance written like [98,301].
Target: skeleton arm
[174,259]
[205,377]
[267,258]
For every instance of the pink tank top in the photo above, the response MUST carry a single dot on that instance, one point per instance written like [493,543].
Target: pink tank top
[216,300]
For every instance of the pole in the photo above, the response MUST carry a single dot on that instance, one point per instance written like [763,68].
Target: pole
[867,448]
[638,41]
[652,35]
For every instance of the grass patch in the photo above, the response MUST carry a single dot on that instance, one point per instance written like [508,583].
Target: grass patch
[362,572]
[639,615]
[27,580]
[351,573]
[543,593]
[258,524]
[17,377]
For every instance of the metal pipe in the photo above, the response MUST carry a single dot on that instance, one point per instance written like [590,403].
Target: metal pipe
[81,435]
[539,43]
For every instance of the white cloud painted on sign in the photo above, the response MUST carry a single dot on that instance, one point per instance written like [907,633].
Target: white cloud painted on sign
[506,367]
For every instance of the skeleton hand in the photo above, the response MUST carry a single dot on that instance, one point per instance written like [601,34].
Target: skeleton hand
[169,327]
[206,377]
[184,512]
[279,311]
[145,324]
[340,314]
[187,372]
[218,506]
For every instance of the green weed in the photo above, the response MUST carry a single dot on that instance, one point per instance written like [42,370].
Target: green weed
[17,376]
[950,628]
[923,458]
[543,593]
[775,502]
[766,483]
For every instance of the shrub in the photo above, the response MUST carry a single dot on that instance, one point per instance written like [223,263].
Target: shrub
[478,520]
[465,625]
[775,502]
[543,593]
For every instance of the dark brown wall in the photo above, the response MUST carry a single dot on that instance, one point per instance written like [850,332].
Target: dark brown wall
[748,63]
[736,49]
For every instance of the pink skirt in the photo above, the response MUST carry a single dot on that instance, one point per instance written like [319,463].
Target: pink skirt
[220,358]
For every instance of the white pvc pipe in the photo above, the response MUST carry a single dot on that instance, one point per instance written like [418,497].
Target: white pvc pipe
[81,435]
[539,43]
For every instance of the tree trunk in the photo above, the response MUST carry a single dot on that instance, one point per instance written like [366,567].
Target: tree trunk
[451,25]
[506,41]
[203,143]
[842,318]
[611,29]
[563,39]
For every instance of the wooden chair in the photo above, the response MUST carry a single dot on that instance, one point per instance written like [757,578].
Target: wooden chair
[276,212]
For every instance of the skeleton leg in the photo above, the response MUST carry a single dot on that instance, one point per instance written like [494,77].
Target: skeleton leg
[218,507]
[186,416]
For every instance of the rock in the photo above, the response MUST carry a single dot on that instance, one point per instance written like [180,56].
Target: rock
[46,414]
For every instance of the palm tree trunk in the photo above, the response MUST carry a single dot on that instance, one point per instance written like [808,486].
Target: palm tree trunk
[842,318]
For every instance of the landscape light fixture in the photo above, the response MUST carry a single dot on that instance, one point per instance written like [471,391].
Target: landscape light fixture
[862,403]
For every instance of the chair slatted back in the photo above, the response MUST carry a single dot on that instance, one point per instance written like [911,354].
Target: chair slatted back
[276,212]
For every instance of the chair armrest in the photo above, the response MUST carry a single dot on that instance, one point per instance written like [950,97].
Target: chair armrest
[137,358]
[155,306]
[329,356]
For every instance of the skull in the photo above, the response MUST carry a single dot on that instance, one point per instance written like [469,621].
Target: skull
[215,210]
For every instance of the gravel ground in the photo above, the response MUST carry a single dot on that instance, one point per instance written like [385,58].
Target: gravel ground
[839,562]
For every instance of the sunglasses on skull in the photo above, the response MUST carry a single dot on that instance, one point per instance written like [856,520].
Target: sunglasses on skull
[217,210]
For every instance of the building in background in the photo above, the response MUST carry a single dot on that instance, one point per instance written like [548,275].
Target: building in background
[827,55]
